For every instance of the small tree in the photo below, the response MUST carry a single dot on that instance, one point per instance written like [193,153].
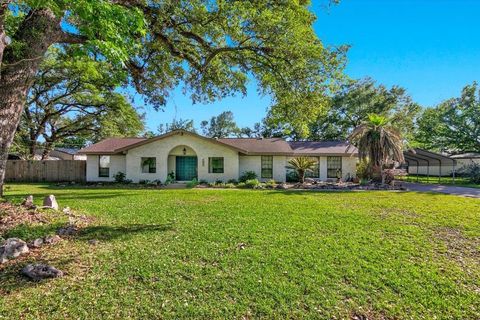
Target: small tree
[378,143]
[302,165]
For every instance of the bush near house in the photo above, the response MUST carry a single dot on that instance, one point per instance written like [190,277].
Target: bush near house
[247,175]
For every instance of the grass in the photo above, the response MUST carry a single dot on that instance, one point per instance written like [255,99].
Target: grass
[459,181]
[242,254]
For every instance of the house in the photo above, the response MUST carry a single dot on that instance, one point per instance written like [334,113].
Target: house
[466,159]
[189,155]
[60,154]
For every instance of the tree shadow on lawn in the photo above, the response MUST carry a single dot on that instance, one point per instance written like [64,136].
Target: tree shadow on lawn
[108,233]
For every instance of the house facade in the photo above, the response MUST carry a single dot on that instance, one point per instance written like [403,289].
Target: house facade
[187,155]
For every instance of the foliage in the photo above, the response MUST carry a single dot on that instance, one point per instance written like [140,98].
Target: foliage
[301,165]
[364,169]
[378,143]
[247,175]
[119,177]
[335,118]
[410,241]
[73,100]
[203,181]
[252,183]
[170,178]
[351,106]
[292,176]
[270,184]
[221,126]
[193,183]
[230,185]
[452,126]
[471,171]
[186,125]
[233,181]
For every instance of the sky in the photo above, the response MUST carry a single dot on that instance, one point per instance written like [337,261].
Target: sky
[429,47]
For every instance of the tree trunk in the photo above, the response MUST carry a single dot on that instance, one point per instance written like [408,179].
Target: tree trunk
[46,150]
[38,31]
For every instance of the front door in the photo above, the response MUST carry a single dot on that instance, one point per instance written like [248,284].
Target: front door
[186,168]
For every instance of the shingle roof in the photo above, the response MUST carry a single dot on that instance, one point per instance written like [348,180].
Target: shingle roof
[259,145]
[250,146]
[110,145]
[322,147]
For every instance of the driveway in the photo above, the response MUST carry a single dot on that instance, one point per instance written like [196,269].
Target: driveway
[459,191]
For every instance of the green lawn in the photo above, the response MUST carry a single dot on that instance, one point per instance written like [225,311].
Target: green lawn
[459,181]
[178,254]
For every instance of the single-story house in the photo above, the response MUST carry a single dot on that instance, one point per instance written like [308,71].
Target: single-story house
[60,154]
[466,159]
[188,155]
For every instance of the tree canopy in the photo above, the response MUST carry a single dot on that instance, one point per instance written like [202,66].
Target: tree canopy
[75,98]
[210,48]
[453,125]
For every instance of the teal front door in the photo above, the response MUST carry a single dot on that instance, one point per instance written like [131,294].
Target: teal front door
[186,168]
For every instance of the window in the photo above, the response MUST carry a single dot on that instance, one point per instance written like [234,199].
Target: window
[267,167]
[149,165]
[316,171]
[215,165]
[104,166]
[334,167]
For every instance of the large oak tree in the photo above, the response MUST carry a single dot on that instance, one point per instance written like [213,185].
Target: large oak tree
[211,48]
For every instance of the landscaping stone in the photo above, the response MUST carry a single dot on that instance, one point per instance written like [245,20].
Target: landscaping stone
[28,202]
[39,271]
[50,202]
[37,243]
[12,248]
[52,239]
[69,230]
[282,186]
[93,242]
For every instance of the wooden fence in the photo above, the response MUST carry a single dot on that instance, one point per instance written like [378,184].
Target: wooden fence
[45,171]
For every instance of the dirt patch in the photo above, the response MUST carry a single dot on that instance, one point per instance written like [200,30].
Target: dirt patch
[14,215]
[459,247]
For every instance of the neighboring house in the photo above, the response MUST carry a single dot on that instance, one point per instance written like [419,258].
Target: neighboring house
[60,154]
[466,159]
[189,155]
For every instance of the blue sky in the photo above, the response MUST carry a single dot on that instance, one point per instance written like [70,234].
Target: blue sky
[429,47]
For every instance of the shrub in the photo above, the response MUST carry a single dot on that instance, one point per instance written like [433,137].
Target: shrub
[119,177]
[157,182]
[292,176]
[271,184]
[229,185]
[232,181]
[193,183]
[218,181]
[252,183]
[364,170]
[471,171]
[144,181]
[212,184]
[241,185]
[203,181]
[247,175]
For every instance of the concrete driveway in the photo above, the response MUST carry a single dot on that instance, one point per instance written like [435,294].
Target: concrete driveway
[459,191]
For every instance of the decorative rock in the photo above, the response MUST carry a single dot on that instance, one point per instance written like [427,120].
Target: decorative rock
[38,271]
[50,202]
[282,186]
[93,242]
[68,230]
[52,239]
[37,243]
[28,202]
[309,180]
[12,248]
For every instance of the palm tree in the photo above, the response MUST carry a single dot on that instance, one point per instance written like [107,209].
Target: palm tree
[378,142]
[302,165]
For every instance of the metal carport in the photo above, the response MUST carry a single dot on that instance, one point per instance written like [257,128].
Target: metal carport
[427,158]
